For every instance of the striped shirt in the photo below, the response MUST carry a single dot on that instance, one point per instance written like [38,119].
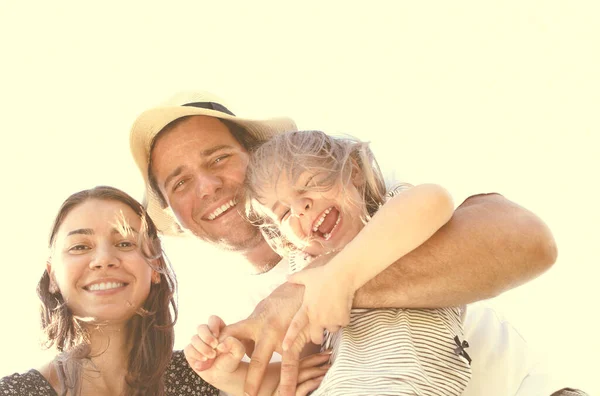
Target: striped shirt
[393,351]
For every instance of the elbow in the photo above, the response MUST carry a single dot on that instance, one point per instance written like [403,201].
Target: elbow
[546,249]
[541,251]
[443,202]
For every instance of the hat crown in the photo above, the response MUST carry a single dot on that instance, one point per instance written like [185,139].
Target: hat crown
[185,97]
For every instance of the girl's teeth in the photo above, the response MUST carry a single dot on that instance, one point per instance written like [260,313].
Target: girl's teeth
[328,235]
[320,221]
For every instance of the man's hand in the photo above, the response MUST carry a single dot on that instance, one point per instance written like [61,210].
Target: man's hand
[312,370]
[266,327]
[326,305]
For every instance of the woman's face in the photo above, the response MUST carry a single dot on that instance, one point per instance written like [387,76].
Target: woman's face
[314,221]
[97,264]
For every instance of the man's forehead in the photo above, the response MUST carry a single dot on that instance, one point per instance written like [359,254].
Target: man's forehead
[194,128]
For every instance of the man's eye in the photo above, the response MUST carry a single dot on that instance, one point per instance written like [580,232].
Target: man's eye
[178,185]
[221,158]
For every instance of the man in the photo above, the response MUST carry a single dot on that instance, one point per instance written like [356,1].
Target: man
[193,154]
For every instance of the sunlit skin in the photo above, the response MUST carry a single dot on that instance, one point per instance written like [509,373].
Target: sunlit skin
[200,167]
[91,249]
[298,208]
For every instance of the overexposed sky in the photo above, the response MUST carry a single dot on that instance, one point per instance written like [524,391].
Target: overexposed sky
[476,96]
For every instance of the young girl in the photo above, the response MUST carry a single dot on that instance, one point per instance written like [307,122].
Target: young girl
[316,195]
[107,306]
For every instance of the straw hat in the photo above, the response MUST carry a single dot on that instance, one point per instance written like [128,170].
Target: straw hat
[183,104]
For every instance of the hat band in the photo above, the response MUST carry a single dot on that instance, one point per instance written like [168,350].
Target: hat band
[210,106]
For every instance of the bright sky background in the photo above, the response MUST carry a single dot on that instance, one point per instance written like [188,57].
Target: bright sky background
[476,96]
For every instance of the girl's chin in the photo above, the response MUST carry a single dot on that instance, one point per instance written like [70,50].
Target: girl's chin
[320,249]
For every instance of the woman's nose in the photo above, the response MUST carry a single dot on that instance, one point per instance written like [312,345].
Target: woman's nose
[104,257]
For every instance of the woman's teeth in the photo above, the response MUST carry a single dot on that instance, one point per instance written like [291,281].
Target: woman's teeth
[320,221]
[105,286]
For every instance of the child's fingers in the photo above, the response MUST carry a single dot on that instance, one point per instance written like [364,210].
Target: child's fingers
[316,359]
[232,346]
[215,324]
[231,352]
[333,329]
[298,324]
[205,350]
[312,372]
[316,334]
[207,336]
[308,386]
[195,359]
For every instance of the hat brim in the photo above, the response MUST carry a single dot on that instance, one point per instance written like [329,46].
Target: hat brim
[151,122]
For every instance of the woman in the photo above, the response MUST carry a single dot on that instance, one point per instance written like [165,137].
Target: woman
[107,306]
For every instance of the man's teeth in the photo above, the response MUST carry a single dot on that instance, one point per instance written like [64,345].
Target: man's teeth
[320,221]
[222,209]
[105,286]
[326,236]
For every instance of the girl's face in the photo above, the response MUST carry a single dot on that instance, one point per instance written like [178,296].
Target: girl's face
[97,264]
[314,221]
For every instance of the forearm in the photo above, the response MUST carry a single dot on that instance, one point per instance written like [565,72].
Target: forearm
[233,383]
[401,225]
[489,246]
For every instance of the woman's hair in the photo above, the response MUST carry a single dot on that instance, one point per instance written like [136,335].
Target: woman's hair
[150,331]
[292,153]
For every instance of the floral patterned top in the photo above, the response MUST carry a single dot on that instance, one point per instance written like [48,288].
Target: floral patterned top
[180,380]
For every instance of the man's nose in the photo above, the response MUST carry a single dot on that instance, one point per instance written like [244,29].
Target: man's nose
[208,185]
[104,257]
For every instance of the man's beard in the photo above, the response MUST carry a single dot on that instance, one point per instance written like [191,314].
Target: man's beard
[239,240]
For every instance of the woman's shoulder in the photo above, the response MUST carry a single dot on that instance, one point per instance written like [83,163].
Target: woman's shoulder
[180,379]
[29,383]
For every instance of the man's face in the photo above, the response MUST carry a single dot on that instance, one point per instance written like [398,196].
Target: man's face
[200,169]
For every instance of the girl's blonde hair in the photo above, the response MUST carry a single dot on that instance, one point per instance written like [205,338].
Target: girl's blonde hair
[341,160]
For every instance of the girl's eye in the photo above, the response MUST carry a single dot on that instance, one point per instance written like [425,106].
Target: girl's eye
[309,181]
[285,215]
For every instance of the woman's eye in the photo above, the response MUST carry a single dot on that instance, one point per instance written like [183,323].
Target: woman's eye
[79,248]
[126,244]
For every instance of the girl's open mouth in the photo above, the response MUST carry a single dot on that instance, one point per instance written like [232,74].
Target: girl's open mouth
[325,225]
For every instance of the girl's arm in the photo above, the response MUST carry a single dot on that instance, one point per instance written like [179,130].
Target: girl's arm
[406,221]
[401,225]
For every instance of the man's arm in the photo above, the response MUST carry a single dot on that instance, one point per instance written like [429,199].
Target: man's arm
[489,246]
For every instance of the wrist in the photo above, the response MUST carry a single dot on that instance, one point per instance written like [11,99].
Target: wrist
[340,274]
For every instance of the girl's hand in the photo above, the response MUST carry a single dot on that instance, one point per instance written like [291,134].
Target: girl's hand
[311,371]
[326,305]
[205,351]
